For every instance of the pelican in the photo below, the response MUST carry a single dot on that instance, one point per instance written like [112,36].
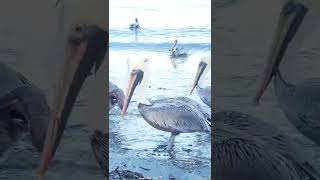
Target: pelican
[116,96]
[135,25]
[87,49]
[177,52]
[203,92]
[174,115]
[299,102]
[23,107]
[86,44]
[245,147]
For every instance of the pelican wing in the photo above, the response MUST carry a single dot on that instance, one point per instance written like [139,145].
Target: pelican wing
[268,135]
[247,147]
[99,144]
[180,115]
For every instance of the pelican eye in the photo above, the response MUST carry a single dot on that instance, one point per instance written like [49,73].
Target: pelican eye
[202,63]
[133,72]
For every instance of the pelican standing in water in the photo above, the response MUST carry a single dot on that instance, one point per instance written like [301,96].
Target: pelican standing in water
[174,115]
[203,92]
[246,148]
[135,25]
[299,102]
[86,46]
[177,52]
[116,96]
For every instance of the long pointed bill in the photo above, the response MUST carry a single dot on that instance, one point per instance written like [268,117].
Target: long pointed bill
[78,64]
[202,66]
[135,79]
[74,56]
[290,19]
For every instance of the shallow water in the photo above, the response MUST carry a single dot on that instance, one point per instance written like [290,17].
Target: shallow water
[132,140]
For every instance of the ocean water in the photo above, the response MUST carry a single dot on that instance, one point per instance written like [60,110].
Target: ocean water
[132,140]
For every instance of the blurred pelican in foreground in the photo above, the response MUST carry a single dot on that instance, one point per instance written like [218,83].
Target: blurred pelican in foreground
[246,148]
[203,92]
[299,102]
[23,107]
[174,115]
[86,44]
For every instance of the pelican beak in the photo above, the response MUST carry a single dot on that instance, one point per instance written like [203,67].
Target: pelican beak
[202,66]
[57,2]
[290,19]
[86,48]
[136,77]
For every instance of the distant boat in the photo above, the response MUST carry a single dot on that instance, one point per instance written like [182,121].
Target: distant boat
[178,52]
[135,25]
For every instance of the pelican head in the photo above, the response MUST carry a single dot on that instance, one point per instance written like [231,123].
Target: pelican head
[85,52]
[136,19]
[203,68]
[137,79]
[175,42]
[292,16]
[116,97]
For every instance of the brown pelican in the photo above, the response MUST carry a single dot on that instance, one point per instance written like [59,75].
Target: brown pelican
[247,148]
[116,96]
[300,102]
[86,45]
[175,115]
[135,25]
[177,52]
[23,107]
[203,92]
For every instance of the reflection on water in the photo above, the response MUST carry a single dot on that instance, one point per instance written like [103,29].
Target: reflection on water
[132,140]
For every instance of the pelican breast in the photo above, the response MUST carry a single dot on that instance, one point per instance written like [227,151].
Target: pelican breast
[205,94]
[301,105]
